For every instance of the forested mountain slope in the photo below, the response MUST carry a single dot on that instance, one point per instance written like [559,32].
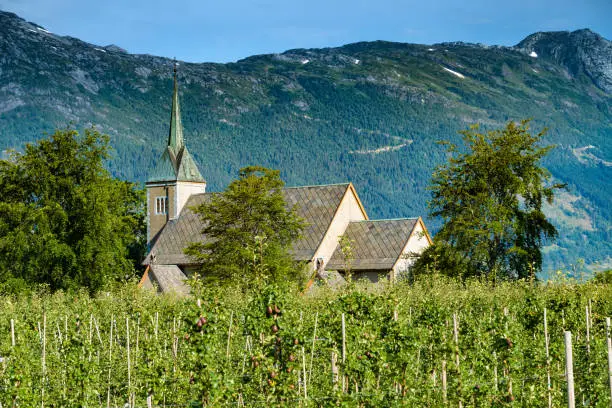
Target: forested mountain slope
[368,112]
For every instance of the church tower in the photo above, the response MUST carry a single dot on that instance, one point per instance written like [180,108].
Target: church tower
[175,177]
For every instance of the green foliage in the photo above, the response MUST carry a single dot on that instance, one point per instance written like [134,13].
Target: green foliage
[249,231]
[490,200]
[223,345]
[604,277]
[346,249]
[64,221]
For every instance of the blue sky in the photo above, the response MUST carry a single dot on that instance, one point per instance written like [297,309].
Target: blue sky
[228,30]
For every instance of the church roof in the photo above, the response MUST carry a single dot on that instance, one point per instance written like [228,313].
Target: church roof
[168,278]
[317,205]
[176,163]
[375,245]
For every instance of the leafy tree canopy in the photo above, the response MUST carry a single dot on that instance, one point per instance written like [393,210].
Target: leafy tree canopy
[64,220]
[249,230]
[490,200]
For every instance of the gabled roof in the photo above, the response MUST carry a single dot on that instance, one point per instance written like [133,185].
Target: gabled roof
[176,164]
[178,233]
[168,278]
[375,245]
[317,205]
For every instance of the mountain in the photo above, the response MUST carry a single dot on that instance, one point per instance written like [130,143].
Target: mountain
[580,52]
[369,112]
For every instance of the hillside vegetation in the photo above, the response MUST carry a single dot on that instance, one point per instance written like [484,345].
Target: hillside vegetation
[369,112]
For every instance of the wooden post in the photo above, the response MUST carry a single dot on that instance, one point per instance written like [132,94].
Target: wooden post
[569,370]
[546,344]
[137,339]
[456,336]
[44,359]
[156,325]
[110,361]
[304,371]
[495,376]
[314,338]
[563,318]
[98,330]
[12,333]
[90,329]
[343,339]
[588,330]
[229,336]
[344,377]
[444,380]
[334,369]
[150,400]
[129,372]
[609,341]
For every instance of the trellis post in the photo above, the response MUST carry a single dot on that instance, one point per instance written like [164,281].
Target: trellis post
[609,341]
[569,370]
[546,343]
[12,333]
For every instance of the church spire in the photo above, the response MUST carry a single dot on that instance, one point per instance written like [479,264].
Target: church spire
[175,138]
[176,163]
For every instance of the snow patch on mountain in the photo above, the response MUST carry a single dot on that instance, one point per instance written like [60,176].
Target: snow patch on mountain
[455,73]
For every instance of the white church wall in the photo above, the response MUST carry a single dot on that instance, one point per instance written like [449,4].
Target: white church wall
[185,190]
[348,210]
[416,245]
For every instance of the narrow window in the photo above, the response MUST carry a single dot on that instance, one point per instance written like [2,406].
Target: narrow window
[161,205]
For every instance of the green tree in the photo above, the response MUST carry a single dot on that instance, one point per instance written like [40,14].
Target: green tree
[249,230]
[64,220]
[490,200]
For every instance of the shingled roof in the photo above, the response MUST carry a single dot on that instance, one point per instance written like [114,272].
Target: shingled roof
[376,245]
[168,278]
[317,205]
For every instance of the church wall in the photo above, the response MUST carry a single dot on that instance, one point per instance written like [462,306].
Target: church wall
[155,222]
[416,245]
[348,210]
[185,190]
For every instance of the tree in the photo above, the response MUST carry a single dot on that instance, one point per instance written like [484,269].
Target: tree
[249,230]
[64,220]
[490,201]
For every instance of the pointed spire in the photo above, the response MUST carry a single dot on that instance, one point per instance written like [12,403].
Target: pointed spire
[176,163]
[175,139]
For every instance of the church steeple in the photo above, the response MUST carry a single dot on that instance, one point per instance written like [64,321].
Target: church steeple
[175,139]
[175,176]
[176,162]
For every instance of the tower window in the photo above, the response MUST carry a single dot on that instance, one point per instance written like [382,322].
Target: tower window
[161,205]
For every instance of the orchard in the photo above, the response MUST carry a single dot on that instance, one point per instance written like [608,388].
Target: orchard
[432,343]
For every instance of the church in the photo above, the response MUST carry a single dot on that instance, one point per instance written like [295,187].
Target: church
[380,248]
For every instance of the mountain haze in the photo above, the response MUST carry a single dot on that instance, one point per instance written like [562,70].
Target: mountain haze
[368,112]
